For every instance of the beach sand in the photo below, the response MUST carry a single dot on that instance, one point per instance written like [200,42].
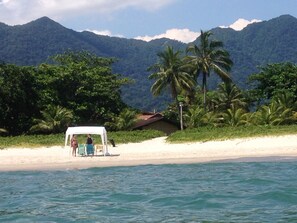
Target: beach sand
[154,151]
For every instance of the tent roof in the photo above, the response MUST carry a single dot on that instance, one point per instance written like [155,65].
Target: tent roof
[97,130]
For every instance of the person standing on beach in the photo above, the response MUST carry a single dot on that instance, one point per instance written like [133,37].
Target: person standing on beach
[74,145]
[89,139]
[90,146]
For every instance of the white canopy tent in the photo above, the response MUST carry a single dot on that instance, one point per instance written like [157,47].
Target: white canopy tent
[93,130]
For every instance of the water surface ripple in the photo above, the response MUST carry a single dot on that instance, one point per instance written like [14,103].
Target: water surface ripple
[213,192]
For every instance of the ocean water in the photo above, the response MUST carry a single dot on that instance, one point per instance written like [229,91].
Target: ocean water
[212,192]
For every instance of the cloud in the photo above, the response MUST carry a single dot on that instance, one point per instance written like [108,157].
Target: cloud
[101,32]
[183,35]
[186,35]
[15,12]
[4,1]
[104,33]
[240,24]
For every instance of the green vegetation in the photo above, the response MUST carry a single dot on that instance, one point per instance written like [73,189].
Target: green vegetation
[54,120]
[209,56]
[274,80]
[170,74]
[33,141]
[81,88]
[78,88]
[134,136]
[224,133]
[267,42]
[273,96]
[124,121]
[201,134]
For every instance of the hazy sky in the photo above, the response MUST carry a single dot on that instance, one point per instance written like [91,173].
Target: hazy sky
[146,19]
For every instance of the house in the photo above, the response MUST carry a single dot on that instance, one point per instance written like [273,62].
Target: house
[155,121]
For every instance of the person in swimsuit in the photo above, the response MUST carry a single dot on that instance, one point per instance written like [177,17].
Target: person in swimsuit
[74,145]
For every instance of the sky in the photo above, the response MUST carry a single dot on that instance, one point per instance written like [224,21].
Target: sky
[146,19]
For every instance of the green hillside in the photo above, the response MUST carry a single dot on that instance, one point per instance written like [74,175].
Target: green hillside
[258,44]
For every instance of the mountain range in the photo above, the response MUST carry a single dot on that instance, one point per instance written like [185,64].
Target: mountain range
[258,44]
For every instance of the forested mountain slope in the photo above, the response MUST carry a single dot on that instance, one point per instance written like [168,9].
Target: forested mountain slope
[258,44]
[261,43]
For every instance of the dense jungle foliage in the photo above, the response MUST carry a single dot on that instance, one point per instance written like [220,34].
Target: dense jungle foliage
[77,88]
[259,44]
[81,89]
[197,84]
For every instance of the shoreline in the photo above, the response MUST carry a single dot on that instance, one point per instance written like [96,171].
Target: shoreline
[154,152]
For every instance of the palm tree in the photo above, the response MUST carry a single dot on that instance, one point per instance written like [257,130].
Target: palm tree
[194,117]
[286,100]
[235,116]
[228,96]
[55,119]
[125,120]
[169,72]
[272,114]
[294,117]
[209,57]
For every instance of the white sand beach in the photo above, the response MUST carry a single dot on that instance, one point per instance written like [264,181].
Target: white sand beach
[155,151]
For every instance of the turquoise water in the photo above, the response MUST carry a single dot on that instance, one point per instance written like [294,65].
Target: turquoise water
[213,192]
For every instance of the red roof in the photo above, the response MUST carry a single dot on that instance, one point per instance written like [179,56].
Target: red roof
[144,122]
[146,116]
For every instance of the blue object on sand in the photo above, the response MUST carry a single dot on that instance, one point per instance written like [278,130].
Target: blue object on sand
[81,149]
[90,149]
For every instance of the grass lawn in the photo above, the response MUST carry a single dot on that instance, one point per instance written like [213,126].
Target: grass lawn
[32,141]
[188,135]
[224,133]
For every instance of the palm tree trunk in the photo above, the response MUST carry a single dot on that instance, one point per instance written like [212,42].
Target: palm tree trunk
[179,109]
[204,91]
[175,95]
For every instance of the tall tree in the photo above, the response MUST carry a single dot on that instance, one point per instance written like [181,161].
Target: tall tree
[83,83]
[18,98]
[209,57]
[170,72]
[273,80]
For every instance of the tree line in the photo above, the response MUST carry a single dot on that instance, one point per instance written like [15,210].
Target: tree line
[79,88]
[73,88]
[272,99]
